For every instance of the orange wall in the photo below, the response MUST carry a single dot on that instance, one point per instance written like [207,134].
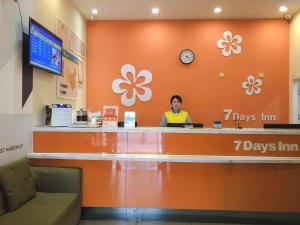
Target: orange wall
[155,46]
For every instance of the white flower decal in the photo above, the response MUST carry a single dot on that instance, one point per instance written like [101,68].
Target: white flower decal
[146,96]
[252,86]
[230,44]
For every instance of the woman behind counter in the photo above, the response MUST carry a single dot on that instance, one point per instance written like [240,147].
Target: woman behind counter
[175,115]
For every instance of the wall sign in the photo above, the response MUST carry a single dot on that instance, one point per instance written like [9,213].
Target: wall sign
[66,86]
[62,31]
[252,86]
[15,136]
[230,44]
[74,43]
[230,114]
[264,147]
[126,100]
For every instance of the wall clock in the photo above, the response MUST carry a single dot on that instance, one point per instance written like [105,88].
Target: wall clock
[186,56]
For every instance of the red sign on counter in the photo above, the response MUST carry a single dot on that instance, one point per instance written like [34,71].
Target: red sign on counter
[110,116]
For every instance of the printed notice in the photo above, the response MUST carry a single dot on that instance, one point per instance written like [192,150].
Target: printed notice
[110,116]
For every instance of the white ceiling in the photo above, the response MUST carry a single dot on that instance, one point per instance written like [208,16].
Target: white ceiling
[185,9]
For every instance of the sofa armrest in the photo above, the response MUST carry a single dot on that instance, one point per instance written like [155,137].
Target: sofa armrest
[57,180]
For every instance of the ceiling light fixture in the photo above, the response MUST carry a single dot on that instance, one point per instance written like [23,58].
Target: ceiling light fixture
[218,10]
[155,11]
[94,11]
[283,8]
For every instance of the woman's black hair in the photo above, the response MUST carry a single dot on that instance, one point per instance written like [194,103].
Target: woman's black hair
[177,97]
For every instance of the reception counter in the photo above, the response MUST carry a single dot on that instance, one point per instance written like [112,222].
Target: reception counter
[178,168]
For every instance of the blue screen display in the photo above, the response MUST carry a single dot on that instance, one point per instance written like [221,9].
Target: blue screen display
[45,49]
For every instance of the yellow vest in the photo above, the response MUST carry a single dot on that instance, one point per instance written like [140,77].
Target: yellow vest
[176,117]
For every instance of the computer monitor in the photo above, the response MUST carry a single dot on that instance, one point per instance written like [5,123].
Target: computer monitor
[281,126]
[185,125]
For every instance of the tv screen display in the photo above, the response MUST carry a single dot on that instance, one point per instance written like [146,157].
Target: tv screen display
[45,48]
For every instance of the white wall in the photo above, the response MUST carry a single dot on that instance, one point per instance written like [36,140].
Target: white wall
[44,84]
[296,101]
[10,60]
[294,63]
[16,122]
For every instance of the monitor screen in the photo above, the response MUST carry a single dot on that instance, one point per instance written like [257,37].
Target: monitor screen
[45,48]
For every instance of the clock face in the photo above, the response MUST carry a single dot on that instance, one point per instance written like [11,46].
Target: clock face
[186,56]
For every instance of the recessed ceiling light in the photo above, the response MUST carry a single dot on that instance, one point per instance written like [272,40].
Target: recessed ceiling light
[155,11]
[218,10]
[283,8]
[94,11]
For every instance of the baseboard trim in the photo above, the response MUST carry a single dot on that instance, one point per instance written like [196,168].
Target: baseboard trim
[204,216]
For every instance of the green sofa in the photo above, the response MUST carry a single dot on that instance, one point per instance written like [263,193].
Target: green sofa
[56,199]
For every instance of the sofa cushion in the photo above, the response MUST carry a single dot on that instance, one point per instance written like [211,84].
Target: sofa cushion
[2,205]
[44,209]
[17,183]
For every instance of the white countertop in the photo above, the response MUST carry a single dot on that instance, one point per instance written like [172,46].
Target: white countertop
[172,130]
[166,158]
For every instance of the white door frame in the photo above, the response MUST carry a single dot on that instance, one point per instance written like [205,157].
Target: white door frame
[295,101]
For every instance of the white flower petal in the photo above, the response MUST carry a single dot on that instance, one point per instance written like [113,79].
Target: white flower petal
[257,90]
[146,96]
[237,39]
[258,83]
[249,91]
[128,101]
[116,86]
[221,43]
[226,52]
[127,68]
[236,49]
[227,36]
[251,79]
[148,77]
[245,85]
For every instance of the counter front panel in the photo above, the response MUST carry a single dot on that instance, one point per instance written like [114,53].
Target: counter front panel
[167,143]
[180,185]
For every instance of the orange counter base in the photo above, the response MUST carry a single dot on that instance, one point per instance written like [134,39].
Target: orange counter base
[174,185]
[248,187]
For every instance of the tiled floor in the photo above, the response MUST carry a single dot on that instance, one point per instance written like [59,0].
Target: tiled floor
[121,222]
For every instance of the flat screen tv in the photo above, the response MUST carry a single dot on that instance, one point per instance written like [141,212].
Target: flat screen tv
[45,48]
